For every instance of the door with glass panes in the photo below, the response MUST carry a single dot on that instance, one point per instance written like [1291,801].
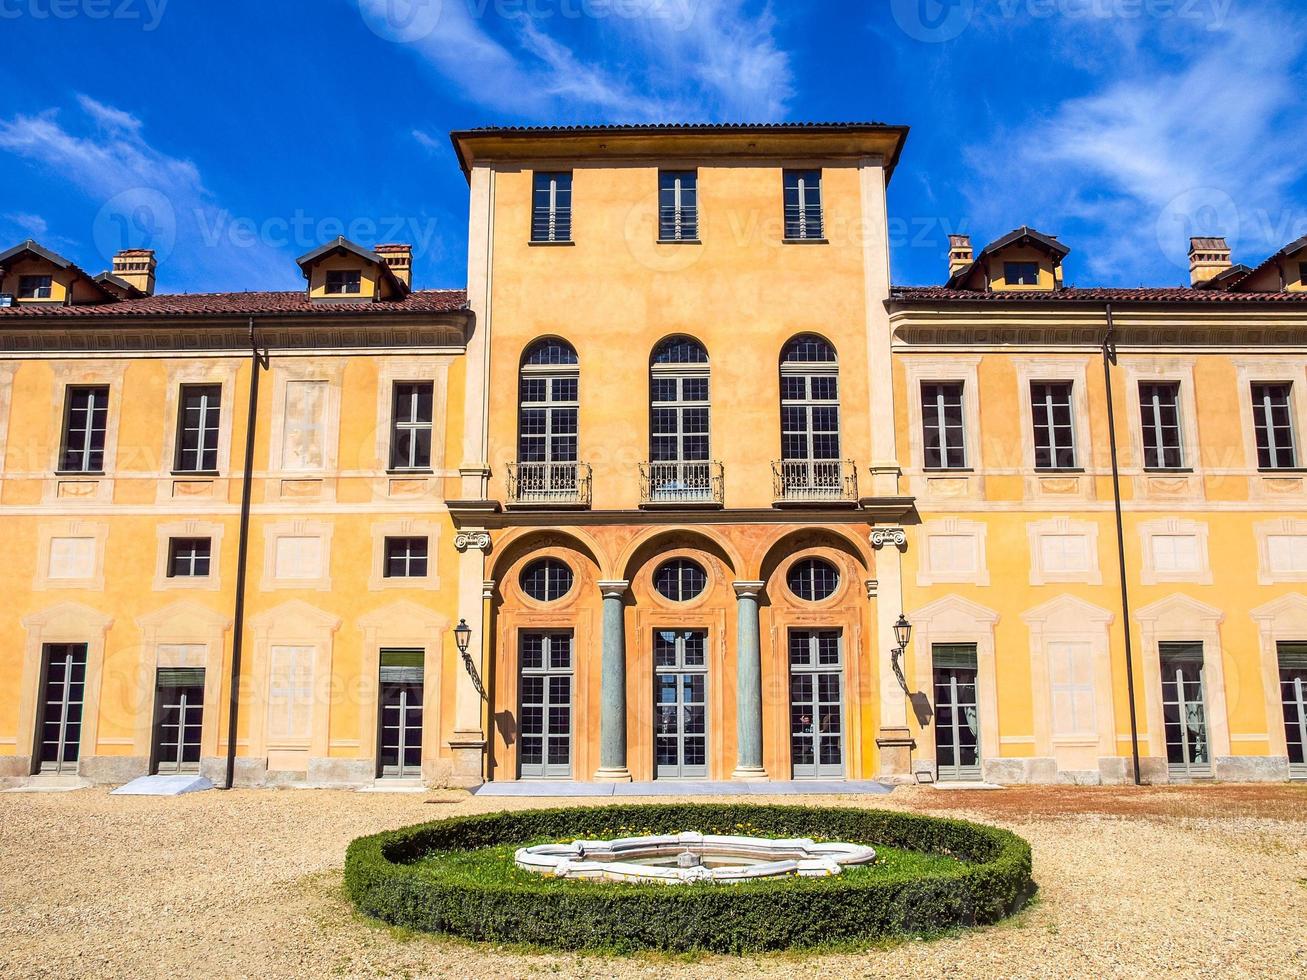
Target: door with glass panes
[545,719]
[816,704]
[1293,695]
[401,704]
[957,711]
[680,704]
[63,687]
[1184,710]
[178,719]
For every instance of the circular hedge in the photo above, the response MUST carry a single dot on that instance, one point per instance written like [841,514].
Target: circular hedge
[385,878]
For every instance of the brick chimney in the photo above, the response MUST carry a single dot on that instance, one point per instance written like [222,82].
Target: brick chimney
[400,260]
[960,254]
[1208,258]
[136,266]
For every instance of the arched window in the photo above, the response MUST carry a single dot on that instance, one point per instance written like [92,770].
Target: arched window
[810,419]
[547,422]
[679,468]
[547,579]
[813,579]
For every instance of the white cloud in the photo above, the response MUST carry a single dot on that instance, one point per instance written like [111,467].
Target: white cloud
[31,225]
[1202,139]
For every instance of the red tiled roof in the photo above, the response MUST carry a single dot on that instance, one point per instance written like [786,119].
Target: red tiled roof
[294,303]
[1071,294]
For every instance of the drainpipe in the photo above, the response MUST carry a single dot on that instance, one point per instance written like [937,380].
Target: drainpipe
[242,551]
[1109,358]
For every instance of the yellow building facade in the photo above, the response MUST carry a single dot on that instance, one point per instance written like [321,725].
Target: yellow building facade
[680,487]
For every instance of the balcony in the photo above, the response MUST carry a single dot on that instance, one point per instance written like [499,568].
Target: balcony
[546,485]
[799,482]
[677,484]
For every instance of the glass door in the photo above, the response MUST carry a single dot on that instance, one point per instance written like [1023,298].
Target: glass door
[816,704]
[178,719]
[545,736]
[1293,693]
[63,687]
[402,679]
[957,712]
[1184,711]
[681,704]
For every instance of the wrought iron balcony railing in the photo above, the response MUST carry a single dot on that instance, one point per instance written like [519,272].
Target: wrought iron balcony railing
[549,484]
[673,483]
[801,481]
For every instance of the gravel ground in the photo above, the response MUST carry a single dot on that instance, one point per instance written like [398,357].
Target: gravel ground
[1197,882]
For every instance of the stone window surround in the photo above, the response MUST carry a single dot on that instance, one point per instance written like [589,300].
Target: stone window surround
[208,371]
[293,623]
[1039,575]
[272,533]
[952,526]
[7,371]
[183,623]
[1181,618]
[188,529]
[961,368]
[1262,532]
[48,531]
[405,528]
[392,370]
[65,622]
[1282,620]
[71,374]
[402,625]
[1031,368]
[1149,574]
[330,370]
[954,619]
[1149,369]
[1272,368]
[1069,619]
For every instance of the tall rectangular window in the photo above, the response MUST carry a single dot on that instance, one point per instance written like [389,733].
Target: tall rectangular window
[1159,413]
[941,420]
[189,557]
[678,205]
[551,207]
[1050,406]
[197,428]
[1273,421]
[410,426]
[803,214]
[406,558]
[86,420]
[34,287]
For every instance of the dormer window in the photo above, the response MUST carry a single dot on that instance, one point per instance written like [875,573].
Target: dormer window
[1021,273]
[344,282]
[1302,273]
[34,287]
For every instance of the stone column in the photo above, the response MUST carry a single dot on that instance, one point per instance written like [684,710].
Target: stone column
[748,688]
[612,707]
[468,742]
[894,739]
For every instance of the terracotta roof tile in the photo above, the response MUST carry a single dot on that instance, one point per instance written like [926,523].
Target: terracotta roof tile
[294,303]
[1071,294]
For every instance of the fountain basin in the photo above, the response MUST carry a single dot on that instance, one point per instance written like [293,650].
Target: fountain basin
[691,857]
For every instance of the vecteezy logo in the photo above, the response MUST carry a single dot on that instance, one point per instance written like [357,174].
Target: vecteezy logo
[1202,212]
[401,21]
[136,218]
[933,21]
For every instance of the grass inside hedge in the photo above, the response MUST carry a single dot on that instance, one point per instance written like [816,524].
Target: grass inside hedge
[494,867]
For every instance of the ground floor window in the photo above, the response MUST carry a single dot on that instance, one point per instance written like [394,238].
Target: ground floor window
[401,690]
[681,703]
[178,719]
[957,713]
[63,686]
[545,730]
[1184,710]
[1293,694]
[816,704]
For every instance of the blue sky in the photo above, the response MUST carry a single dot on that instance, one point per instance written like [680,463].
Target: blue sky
[234,136]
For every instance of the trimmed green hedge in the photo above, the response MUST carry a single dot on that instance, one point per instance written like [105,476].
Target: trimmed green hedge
[386,879]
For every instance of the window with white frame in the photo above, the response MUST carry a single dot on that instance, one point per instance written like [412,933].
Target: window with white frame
[1050,405]
[406,557]
[35,287]
[1273,423]
[1071,678]
[199,413]
[943,433]
[1159,415]
[547,416]
[411,425]
[86,422]
[810,400]
[304,436]
[551,207]
[678,205]
[803,207]
[679,408]
[344,282]
[189,557]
